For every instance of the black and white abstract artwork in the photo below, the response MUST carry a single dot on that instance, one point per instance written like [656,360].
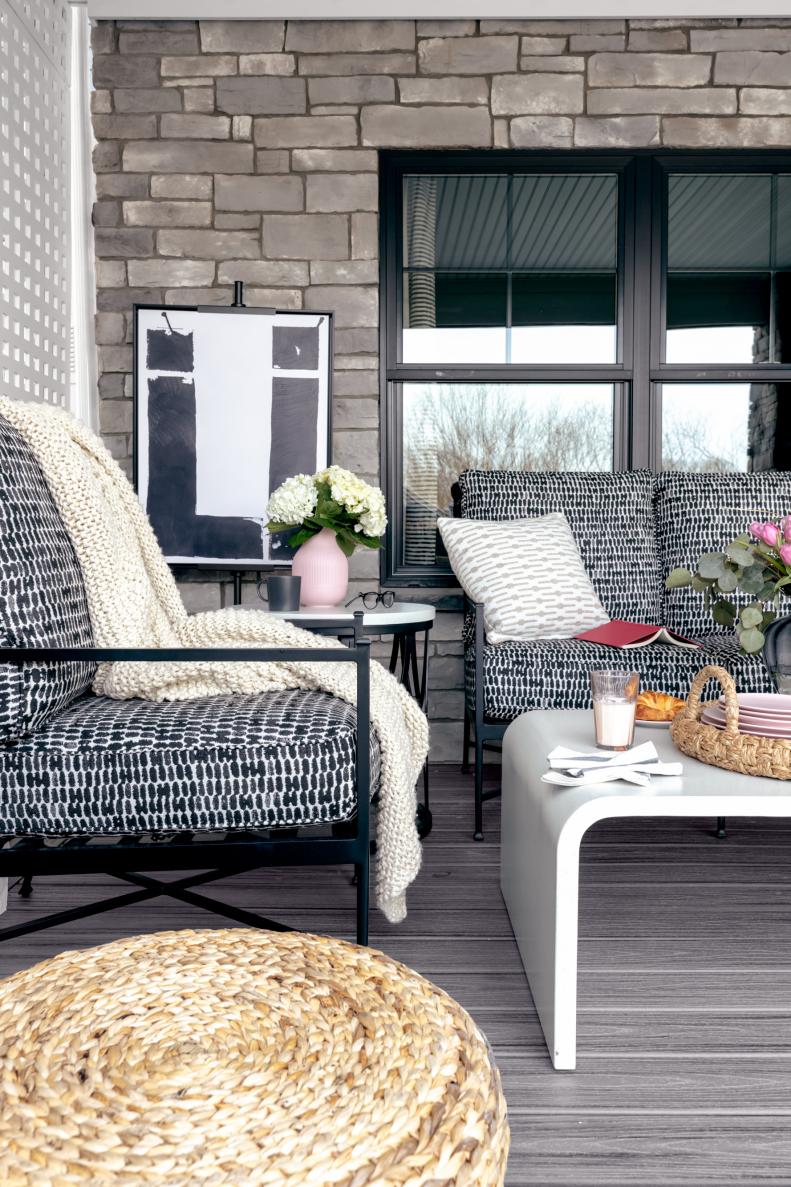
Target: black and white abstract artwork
[229,404]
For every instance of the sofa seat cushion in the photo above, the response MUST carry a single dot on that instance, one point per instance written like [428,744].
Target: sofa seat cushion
[555,673]
[103,766]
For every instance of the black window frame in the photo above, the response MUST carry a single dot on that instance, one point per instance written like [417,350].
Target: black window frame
[639,371]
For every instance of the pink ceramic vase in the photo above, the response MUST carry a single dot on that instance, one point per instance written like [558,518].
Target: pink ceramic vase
[324,569]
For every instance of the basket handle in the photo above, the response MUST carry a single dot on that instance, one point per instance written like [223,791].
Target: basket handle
[694,707]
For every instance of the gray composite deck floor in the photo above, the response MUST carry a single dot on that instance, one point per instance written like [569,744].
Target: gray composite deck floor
[684,1075]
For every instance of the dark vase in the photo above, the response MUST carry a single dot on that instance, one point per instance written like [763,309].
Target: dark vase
[777,652]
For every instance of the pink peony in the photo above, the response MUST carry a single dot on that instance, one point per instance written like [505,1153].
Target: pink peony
[785,524]
[785,554]
[767,533]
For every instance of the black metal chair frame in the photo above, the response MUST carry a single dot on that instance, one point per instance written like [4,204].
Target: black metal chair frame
[487,734]
[232,853]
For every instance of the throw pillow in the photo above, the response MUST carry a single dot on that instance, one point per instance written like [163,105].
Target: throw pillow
[527,572]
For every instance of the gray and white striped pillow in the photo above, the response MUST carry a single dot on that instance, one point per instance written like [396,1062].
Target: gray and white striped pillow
[527,572]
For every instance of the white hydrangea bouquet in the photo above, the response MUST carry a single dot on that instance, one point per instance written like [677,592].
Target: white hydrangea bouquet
[333,498]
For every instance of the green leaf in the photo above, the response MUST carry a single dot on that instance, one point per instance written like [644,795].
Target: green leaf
[703,584]
[728,581]
[301,537]
[751,616]
[678,578]
[751,640]
[752,580]
[739,555]
[275,526]
[767,617]
[724,612]
[711,564]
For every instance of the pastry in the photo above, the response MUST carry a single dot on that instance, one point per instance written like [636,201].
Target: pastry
[658,706]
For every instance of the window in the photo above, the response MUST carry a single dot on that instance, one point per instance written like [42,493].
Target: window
[578,312]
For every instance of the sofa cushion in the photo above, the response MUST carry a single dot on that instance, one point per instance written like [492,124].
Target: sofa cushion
[555,674]
[104,766]
[42,596]
[698,513]
[611,517]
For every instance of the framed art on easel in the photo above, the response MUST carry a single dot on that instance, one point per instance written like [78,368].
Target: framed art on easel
[229,402]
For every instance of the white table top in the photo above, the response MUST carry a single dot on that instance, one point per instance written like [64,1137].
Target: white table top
[399,614]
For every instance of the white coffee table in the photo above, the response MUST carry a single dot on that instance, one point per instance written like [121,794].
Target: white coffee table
[543,825]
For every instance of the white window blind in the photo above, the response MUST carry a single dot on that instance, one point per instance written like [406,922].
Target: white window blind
[35,324]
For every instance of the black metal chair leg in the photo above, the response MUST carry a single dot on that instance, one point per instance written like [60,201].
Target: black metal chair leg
[26,887]
[465,757]
[478,834]
[362,871]
[721,833]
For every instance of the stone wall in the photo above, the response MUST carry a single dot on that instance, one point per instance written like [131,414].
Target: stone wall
[247,150]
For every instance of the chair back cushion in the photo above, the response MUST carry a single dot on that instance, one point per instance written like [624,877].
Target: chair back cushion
[42,595]
[698,513]
[611,518]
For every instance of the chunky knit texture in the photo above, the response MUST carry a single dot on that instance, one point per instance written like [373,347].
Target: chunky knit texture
[134,601]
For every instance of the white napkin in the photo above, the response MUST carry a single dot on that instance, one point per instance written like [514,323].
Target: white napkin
[574,768]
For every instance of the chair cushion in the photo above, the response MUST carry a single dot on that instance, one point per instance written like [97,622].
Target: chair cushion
[555,673]
[698,513]
[611,517]
[229,762]
[42,596]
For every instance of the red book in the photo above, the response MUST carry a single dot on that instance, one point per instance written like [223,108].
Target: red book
[628,635]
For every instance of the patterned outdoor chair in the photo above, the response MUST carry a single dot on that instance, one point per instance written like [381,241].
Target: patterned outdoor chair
[631,528]
[94,785]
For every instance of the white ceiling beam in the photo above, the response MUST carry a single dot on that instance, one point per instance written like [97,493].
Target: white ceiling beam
[430,9]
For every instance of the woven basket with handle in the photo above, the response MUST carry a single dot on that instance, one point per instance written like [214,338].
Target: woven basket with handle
[745,753]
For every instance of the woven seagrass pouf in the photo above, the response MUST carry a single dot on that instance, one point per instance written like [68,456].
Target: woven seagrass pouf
[230,1057]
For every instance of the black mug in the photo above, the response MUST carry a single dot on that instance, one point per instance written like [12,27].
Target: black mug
[282,591]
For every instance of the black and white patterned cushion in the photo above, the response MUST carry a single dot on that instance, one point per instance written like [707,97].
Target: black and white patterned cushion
[555,673]
[698,513]
[42,596]
[103,766]
[611,517]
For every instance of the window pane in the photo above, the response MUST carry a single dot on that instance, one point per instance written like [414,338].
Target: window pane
[565,222]
[722,426]
[451,427]
[564,318]
[455,222]
[455,317]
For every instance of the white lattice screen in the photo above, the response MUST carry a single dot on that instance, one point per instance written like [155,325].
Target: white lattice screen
[34,199]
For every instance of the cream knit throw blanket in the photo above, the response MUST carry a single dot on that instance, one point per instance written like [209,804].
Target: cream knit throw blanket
[134,602]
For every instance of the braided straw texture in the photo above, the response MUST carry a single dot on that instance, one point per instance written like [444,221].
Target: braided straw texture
[745,753]
[230,1057]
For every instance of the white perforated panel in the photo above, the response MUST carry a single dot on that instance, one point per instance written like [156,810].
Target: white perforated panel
[34,199]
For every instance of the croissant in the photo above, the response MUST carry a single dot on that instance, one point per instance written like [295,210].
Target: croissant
[658,706]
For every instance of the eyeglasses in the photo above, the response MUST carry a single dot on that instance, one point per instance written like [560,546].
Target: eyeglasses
[373,599]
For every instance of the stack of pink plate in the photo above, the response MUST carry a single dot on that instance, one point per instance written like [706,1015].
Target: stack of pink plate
[766,714]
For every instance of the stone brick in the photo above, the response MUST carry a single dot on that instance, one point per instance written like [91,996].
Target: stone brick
[765,101]
[537,94]
[501,134]
[197,127]
[121,242]
[236,222]
[543,45]
[446,28]
[265,273]
[110,274]
[542,131]
[328,37]
[199,99]
[109,328]
[687,22]
[552,28]
[101,102]
[353,306]
[209,245]
[262,95]
[116,70]
[756,132]
[199,66]
[167,214]
[159,42]
[124,127]
[203,296]
[106,156]
[282,64]
[468,55]
[365,237]
[173,273]
[335,109]
[330,160]
[662,100]
[115,416]
[753,69]
[565,65]
[657,40]
[449,89]
[344,272]
[735,39]
[305,131]
[355,413]
[275,161]
[356,450]
[242,127]
[188,156]
[426,127]
[356,362]
[132,99]
[355,383]
[346,64]
[103,38]
[241,37]
[342,191]
[200,596]
[111,386]
[276,298]
[258,193]
[122,185]
[106,214]
[587,43]
[648,70]
[627,131]
[115,300]
[181,185]
[306,236]
[369,88]
[356,341]
[114,358]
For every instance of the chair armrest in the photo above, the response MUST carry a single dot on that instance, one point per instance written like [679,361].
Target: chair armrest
[48,655]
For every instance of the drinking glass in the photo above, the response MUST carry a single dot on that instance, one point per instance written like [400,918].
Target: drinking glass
[614,706]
